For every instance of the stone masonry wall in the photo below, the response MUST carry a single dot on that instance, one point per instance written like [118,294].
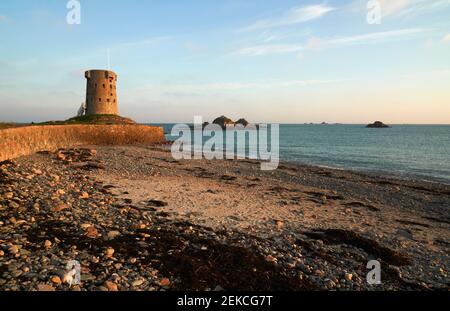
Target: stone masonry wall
[16,142]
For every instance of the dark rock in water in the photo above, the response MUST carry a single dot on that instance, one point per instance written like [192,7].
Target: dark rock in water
[223,121]
[378,125]
[242,122]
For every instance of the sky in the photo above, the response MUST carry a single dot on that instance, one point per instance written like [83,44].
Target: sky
[283,61]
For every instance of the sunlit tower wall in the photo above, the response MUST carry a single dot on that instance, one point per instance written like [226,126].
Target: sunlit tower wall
[101,95]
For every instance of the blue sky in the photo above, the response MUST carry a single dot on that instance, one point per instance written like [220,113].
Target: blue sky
[267,61]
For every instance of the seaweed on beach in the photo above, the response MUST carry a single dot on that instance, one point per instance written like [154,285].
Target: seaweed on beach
[339,236]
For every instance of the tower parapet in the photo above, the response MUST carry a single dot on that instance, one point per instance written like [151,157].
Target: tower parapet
[101,95]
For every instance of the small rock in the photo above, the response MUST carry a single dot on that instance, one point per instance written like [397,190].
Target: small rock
[109,252]
[8,195]
[47,244]
[84,195]
[55,177]
[112,235]
[56,280]
[60,192]
[112,287]
[45,288]
[279,224]
[13,205]
[13,249]
[92,232]
[164,282]
[60,207]
[348,277]
[60,156]
[270,258]
[138,283]
[36,171]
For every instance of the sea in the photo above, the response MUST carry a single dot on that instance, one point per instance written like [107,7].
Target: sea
[409,151]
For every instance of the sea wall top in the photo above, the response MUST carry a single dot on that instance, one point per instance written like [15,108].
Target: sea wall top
[16,142]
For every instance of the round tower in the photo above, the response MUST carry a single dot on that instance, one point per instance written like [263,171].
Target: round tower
[101,96]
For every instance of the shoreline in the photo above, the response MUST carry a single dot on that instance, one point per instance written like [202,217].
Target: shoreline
[377,173]
[138,220]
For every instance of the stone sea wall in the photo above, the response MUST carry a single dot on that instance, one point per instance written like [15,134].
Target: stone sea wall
[16,142]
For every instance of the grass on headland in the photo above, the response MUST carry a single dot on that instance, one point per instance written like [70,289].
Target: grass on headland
[92,119]
[7,125]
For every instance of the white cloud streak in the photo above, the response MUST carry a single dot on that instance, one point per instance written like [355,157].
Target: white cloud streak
[315,43]
[202,88]
[446,39]
[265,49]
[374,37]
[294,16]
[410,8]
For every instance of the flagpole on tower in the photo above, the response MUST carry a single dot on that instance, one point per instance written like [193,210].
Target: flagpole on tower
[109,58]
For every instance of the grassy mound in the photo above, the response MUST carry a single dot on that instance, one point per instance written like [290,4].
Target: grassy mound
[93,119]
[6,125]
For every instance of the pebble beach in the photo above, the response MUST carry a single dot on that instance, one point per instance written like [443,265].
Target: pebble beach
[135,219]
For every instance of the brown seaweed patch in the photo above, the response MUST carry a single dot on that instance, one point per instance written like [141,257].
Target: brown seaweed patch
[339,236]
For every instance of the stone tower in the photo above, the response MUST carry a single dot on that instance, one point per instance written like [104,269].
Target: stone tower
[101,96]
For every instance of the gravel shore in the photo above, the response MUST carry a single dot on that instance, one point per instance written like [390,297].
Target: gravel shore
[135,219]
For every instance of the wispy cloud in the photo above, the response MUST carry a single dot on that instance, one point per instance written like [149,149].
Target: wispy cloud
[316,43]
[143,42]
[202,88]
[409,8]
[446,39]
[418,7]
[294,16]
[390,7]
[266,49]
[3,18]
[374,37]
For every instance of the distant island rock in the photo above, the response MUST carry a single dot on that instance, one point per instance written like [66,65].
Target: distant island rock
[242,122]
[378,125]
[224,122]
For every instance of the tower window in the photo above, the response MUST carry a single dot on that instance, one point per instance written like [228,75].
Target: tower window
[107,100]
[104,85]
[100,100]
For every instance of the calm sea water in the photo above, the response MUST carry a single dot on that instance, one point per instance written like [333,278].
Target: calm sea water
[408,150]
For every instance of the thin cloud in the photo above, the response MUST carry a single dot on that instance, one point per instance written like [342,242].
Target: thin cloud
[374,37]
[316,43]
[266,49]
[446,39]
[294,16]
[3,18]
[424,7]
[410,8]
[202,88]
[390,7]
[143,42]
